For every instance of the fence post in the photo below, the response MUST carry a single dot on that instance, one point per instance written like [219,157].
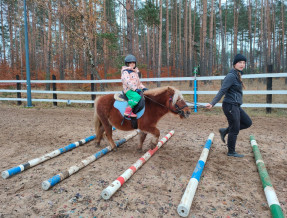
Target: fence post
[195,90]
[18,88]
[269,87]
[54,89]
[93,96]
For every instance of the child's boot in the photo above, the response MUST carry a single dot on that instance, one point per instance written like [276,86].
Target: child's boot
[129,112]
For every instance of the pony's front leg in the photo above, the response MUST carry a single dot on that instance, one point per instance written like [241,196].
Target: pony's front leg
[142,137]
[156,133]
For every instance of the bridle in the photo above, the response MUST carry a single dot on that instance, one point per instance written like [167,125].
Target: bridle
[178,110]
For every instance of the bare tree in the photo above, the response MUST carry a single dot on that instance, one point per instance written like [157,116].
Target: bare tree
[129,26]
[185,39]
[223,57]
[203,42]
[236,14]
[210,57]
[250,35]
[190,42]
[49,45]
[11,27]
[167,38]
[160,42]
[283,35]
[3,33]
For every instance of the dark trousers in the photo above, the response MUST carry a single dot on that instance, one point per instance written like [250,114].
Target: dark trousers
[237,120]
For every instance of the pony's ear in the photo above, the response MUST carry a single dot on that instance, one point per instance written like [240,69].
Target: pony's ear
[170,90]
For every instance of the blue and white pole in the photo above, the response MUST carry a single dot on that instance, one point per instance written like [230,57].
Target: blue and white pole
[186,200]
[63,175]
[31,163]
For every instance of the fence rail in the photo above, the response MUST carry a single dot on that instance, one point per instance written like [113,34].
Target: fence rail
[166,79]
[169,79]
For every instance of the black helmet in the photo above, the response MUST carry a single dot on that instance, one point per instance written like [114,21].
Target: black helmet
[130,58]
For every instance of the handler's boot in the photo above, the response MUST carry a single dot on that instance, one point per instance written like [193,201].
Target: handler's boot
[234,154]
[129,112]
[223,132]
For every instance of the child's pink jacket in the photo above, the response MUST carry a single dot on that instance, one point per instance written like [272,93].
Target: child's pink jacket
[130,79]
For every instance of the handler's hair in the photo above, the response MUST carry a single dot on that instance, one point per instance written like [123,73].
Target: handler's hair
[240,78]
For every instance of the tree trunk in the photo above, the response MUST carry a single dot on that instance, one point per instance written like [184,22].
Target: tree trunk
[105,48]
[261,46]
[185,41]
[236,11]
[268,32]
[3,33]
[129,26]
[190,44]
[193,32]
[179,39]
[49,44]
[283,37]
[87,44]
[223,59]
[210,65]
[204,32]
[250,35]
[254,34]
[160,41]
[175,59]
[10,26]
[167,38]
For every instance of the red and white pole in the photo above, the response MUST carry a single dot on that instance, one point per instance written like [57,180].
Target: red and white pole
[111,189]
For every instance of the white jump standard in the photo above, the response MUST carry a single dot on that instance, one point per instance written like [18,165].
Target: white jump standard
[110,190]
[187,198]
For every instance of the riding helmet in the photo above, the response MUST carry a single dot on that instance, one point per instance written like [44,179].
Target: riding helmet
[130,58]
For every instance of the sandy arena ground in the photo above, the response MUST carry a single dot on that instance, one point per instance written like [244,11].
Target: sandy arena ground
[229,187]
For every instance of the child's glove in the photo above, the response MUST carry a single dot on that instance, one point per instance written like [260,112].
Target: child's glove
[145,89]
[138,91]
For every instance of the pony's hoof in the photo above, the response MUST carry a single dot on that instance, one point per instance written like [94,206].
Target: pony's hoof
[114,149]
[152,146]
[139,150]
[98,144]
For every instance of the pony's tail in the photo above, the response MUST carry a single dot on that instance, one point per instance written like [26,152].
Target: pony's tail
[97,121]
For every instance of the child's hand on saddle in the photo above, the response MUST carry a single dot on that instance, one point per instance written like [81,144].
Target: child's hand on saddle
[138,91]
[145,89]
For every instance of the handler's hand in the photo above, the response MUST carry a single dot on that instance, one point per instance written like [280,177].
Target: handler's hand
[209,106]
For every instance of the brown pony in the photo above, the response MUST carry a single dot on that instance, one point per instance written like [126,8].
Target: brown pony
[158,102]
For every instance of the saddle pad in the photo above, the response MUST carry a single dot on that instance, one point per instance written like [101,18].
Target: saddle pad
[121,106]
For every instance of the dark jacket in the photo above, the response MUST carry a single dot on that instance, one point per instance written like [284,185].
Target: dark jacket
[231,88]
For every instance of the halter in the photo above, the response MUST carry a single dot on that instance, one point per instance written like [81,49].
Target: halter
[179,110]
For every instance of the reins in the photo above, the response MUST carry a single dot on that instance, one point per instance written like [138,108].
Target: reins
[155,101]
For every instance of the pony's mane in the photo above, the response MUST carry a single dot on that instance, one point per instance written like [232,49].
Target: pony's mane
[157,91]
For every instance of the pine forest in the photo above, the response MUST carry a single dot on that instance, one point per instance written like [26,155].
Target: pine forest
[75,39]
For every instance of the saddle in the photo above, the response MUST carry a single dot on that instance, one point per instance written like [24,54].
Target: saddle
[121,102]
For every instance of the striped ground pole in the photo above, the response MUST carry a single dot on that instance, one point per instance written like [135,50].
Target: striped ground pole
[187,198]
[63,175]
[31,163]
[275,208]
[110,190]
